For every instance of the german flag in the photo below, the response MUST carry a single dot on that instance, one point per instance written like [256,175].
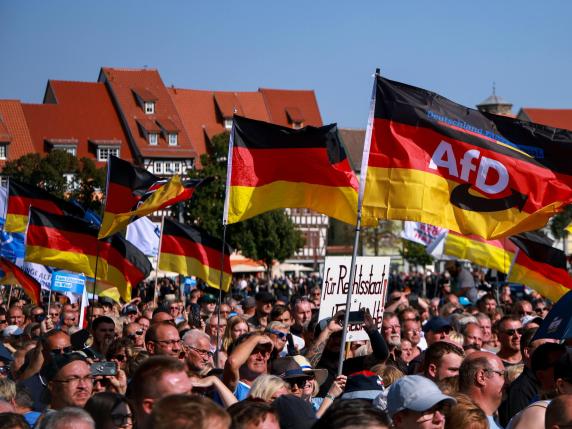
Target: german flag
[495,254]
[434,161]
[21,196]
[540,267]
[190,251]
[64,242]
[127,265]
[133,192]
[14,275]
[272,167]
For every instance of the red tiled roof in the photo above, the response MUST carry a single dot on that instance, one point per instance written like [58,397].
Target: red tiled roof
[149,125]
[121,83]
[14,124]
[353,140]
[280,102]
[198,111]
[81,111]
[168,125]
[144,94]
[557,118]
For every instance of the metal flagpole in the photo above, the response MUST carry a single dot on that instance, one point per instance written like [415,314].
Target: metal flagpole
[94,282]
[220,293]
[155,295]
[9,296]
[363,173]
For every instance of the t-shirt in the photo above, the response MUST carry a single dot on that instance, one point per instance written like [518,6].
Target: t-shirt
[241,391]
[492,423]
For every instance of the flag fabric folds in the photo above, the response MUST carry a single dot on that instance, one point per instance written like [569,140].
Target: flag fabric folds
[434,161]
[272,167]
[21,196]
[144,235]
[15,275]
[540,267]
[133,192]
[190,251]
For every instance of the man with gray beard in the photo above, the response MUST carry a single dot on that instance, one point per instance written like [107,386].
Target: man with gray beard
[391,331]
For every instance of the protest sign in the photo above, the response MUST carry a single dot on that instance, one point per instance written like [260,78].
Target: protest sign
[369,289]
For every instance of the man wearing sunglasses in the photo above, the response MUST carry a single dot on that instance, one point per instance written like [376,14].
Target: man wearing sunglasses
[278,332]
[510,333]
[135,332]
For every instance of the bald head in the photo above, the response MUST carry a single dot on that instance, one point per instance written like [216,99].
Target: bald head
[559,413]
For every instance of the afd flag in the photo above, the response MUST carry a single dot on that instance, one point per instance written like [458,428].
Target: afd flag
[144,235]
[12,247]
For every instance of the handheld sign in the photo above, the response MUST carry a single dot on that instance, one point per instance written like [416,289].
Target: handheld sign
[369,289]
[68,282]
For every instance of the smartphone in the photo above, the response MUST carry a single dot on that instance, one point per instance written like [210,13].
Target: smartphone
[104,368]
[356,317]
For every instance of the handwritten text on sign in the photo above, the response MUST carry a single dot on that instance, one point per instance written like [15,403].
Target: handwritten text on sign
[369,289]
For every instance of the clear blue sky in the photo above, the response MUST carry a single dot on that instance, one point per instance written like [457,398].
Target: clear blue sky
[455,48]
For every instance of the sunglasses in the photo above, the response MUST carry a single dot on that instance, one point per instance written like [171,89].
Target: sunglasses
[279,334]
[4,370]
[59,352]
[511,332]
[2,321]
[299,382]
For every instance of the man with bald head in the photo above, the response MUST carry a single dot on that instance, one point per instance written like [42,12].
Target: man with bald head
[482,377]
[162,338]
[559,413]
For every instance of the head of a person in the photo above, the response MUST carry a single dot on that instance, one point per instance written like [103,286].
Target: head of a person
[162,338]
[487,304]
[522,308]
[559,413]
[353,414]
[302,312]
[69,319]
[278,332]
[442,359]
[510,332]
[208,303]
[486,326]
[473,334]
[466,414]
[482,377]
[406,350]
[281,313]
[563,374]
[391,329]
[110,410]
[225,311]
[155,378]
[269,387]
[15,316]
[411,330]
[68,418]
[216,327]
[415,402]
[162,315]
[136,333]
[103,330]
[120,350]
[543,362]
[253,414]
[237,326]
[188,411]
[257,362]
[199,358]
[12,420]
[55,343]
[69,380]
[540,307]
[264,303]
[436,329]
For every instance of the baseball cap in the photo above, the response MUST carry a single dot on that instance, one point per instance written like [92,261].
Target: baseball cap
[363,385]
[415,393]
[51,369]
[248,302]
[294,413]
[207,298]
[104,300]
[436,324]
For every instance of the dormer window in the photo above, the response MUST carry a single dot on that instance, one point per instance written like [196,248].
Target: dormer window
[297,125]
[153,139]
[3,151]
[149,107]
[172,137]
[228,124]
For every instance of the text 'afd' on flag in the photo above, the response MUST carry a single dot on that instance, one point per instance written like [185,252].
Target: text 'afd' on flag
[272,167]
[434,161]
[190,251]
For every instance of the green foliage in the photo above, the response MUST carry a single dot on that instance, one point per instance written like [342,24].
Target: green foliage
[415,253]
[266,237]
[560,221]
[48,173]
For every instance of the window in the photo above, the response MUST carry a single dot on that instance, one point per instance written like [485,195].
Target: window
[169,167]
[172,139]
[149,107]
[177,167]
[103,153]
[153,139]
[158,167]
[3,151]
[228,124]
[71,149]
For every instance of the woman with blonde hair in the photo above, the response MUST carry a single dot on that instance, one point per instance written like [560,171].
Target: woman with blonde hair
[268,388]
[236,326]
[465,414]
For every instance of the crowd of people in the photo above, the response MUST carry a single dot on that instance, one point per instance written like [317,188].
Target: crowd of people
[261,359]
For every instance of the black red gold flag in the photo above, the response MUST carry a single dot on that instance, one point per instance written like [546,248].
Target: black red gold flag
[434,161]
[190,251]
[15,275]
[272,167]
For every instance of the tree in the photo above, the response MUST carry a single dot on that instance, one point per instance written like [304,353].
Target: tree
[560,221]
[267,237]
[49,173]
[415,253]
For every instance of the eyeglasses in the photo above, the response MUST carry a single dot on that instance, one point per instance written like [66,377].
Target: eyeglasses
[298,382]
[76,379]
[59,352]
[169,343]
[501,373]
[525,313]
[2,321]
[279,334]
[121,419]
[207,353]
[4,370]
[540,310]
[511,332]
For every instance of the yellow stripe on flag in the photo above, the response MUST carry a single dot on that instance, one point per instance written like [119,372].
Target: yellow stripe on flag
[71,261]
[478,252]
[535,280]
[192,267]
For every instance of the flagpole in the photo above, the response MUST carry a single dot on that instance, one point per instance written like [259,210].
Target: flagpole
[220,293]
[158,258]
[9,296]
[94,282]
[363,173]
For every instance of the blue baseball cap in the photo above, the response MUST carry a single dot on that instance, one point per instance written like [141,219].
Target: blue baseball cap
[415,393]
[436,324]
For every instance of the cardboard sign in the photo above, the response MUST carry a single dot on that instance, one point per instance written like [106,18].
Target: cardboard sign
[369,289]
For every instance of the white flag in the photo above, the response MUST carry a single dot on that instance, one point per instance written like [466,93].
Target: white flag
[144,235]
[420,232]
